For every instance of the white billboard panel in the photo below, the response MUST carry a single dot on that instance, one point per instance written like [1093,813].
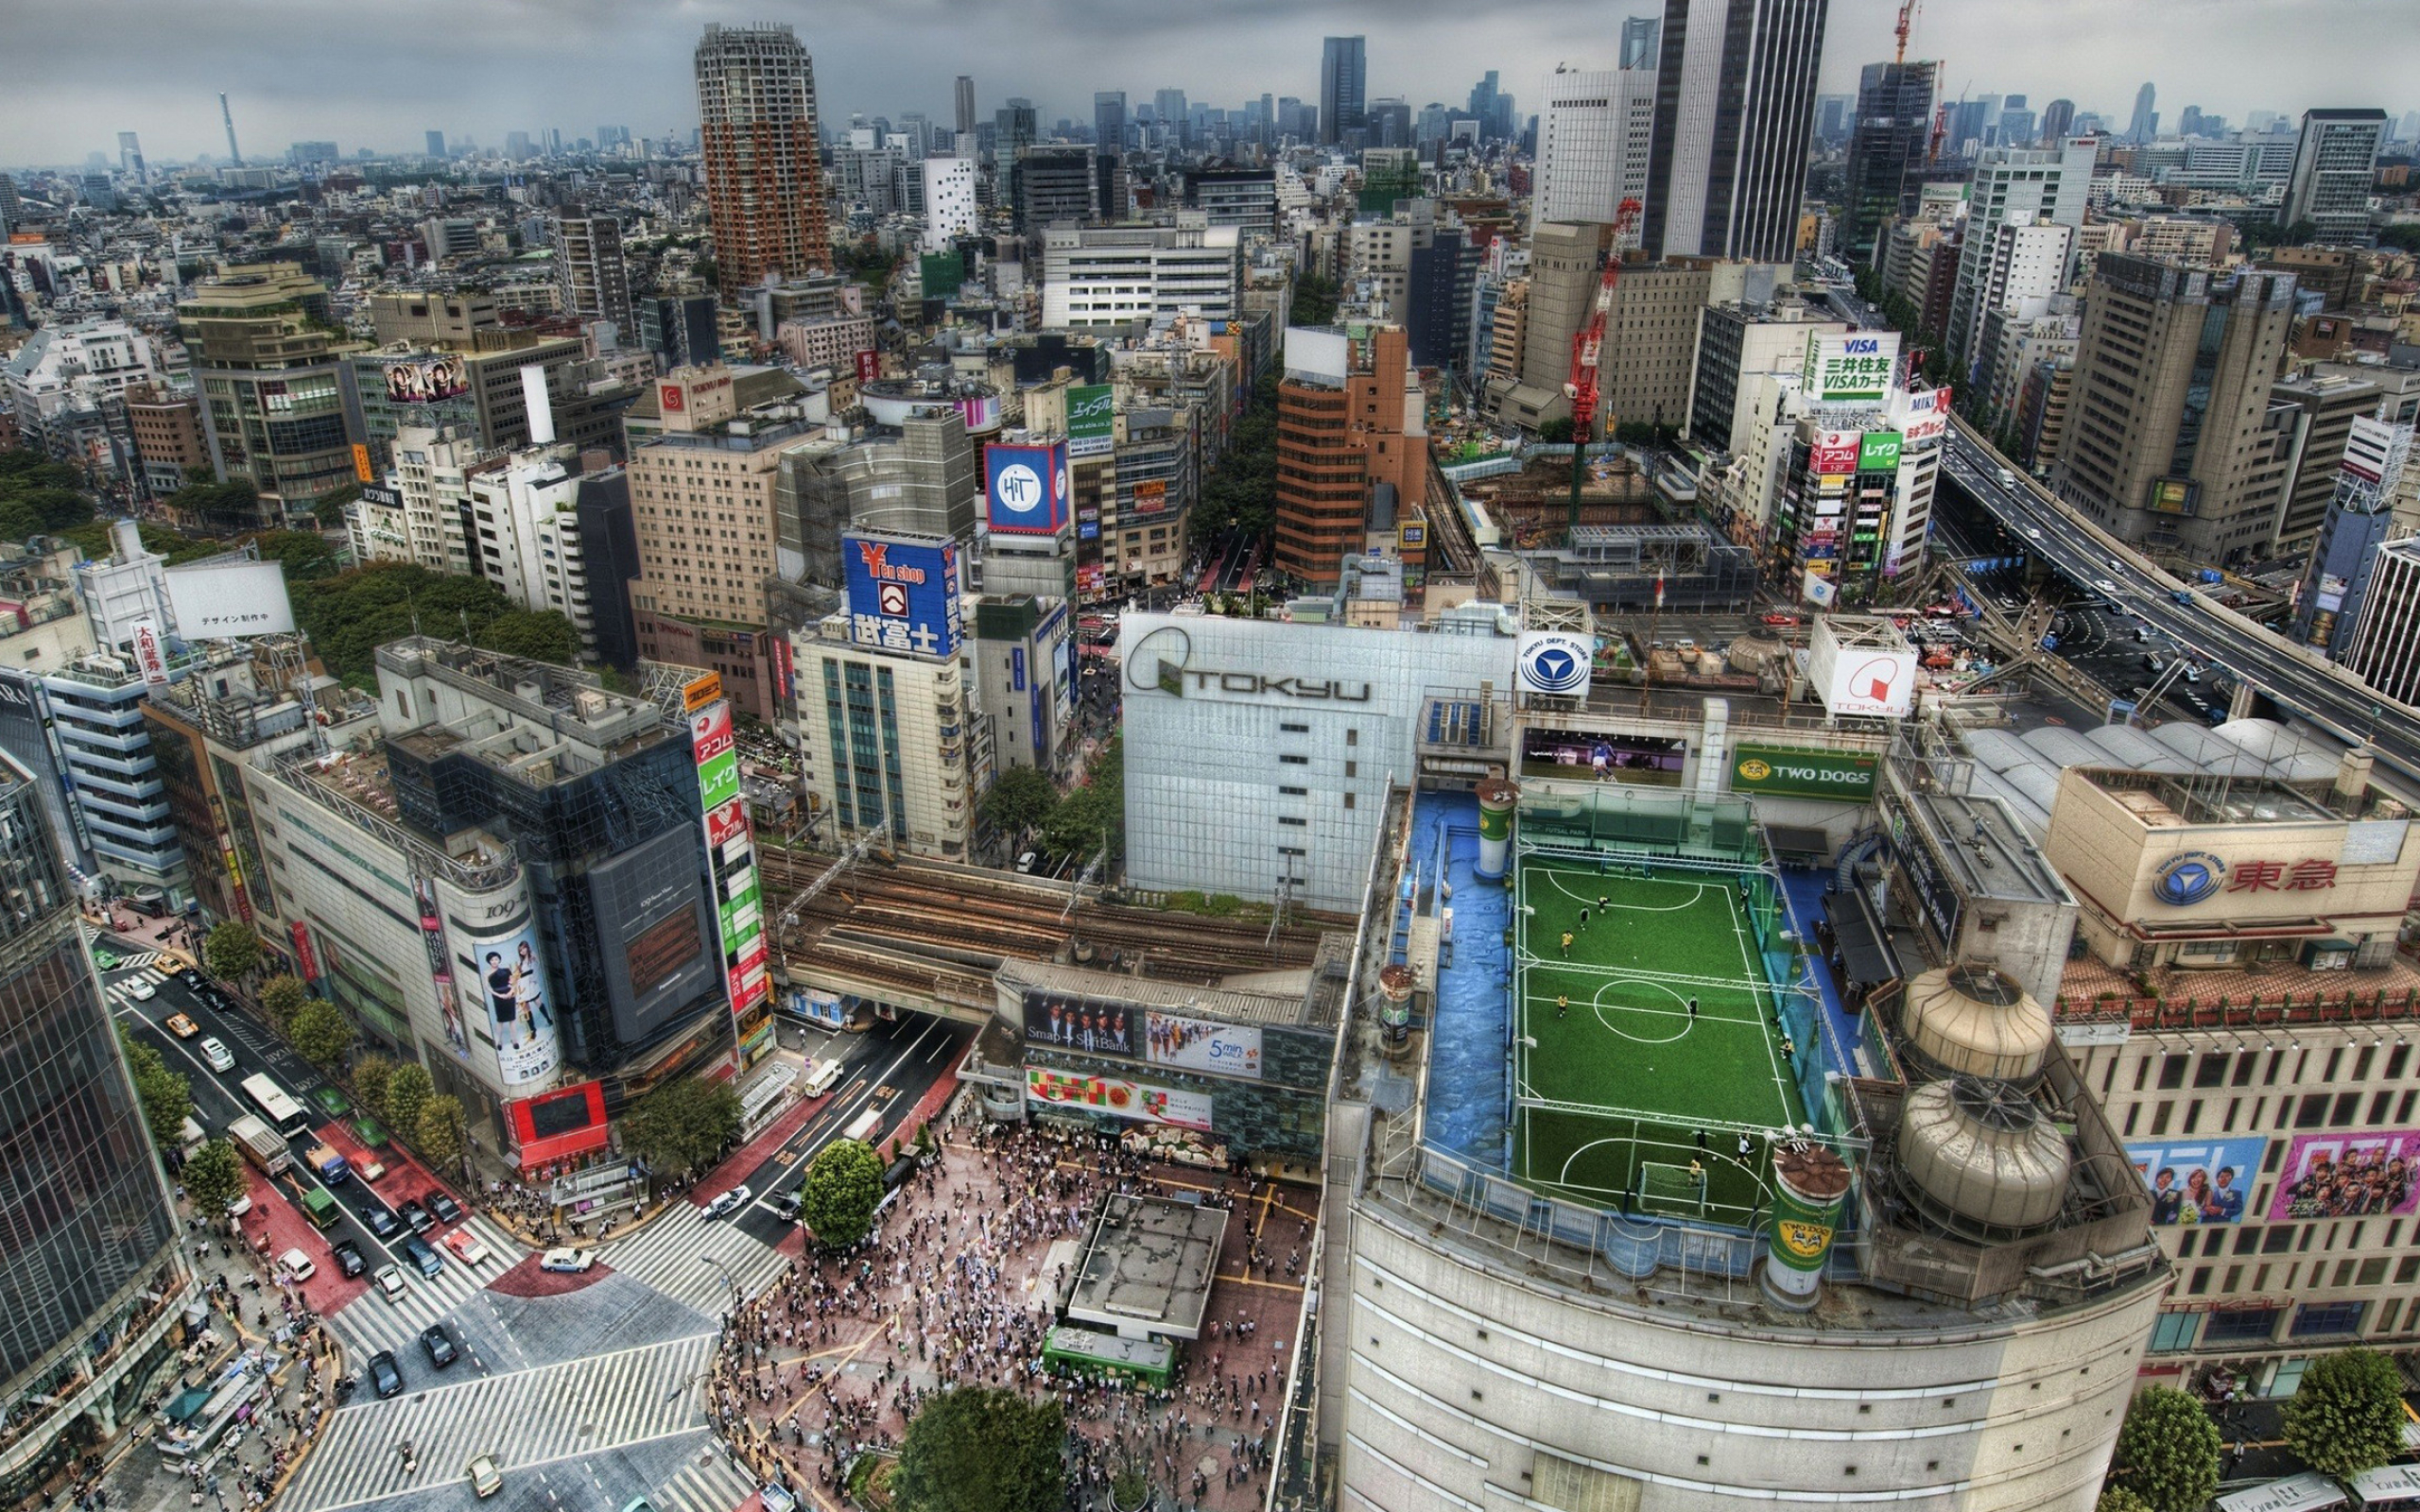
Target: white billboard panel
[1553,661]
[1324,355]
[1875,681]
[223,600]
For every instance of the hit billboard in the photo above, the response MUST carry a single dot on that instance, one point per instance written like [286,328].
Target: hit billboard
[1027,487]
[903,592]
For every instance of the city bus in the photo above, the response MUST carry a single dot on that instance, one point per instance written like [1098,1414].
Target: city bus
[283,1113]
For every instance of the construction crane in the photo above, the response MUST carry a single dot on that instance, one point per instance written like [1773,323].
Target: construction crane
[1587,347]
[1906,22]
[1940,129]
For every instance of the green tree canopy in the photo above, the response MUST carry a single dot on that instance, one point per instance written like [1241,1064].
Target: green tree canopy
[321,1034]
[305,554]
[1093,812]
[281,998]
[2118,1499]
[371,1075]
[541,636]
[349,615]
[166,1096]
[1314,300]
[231,950]
[1021,797]
[680,1127]
[983,1449]
[214,1177]
[2168,1452]
[440,1132]
[408,1091]
[843,1184]
[2346,1415]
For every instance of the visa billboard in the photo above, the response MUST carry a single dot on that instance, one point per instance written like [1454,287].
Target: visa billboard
[1025,488]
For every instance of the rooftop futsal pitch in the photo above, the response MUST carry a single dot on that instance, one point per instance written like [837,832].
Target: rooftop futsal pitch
[1650,1070]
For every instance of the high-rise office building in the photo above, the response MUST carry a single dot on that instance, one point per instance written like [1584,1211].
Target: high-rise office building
[435,144]
[1642,42]
[90,1268]
[2145,124]
[279,407]
[1169,106]
[130,157]
[2058,119]
[1050,184]
[1344,84]
[1015,126]
[1734,104]
[595,279]
[1109,119]
[965,93]
[2170,440]
[2011,186]
[1349,420]
[2335,160]
[757,135]
[1596,135]
[1886,150]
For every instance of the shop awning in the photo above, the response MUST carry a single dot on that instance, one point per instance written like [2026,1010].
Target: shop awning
[1866,957]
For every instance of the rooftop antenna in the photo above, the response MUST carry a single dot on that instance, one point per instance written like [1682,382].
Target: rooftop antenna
[229,116]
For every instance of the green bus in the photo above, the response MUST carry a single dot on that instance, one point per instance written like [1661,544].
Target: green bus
[1089,1352]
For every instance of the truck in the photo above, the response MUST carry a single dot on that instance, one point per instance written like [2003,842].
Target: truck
[259,1144]
[328,1162]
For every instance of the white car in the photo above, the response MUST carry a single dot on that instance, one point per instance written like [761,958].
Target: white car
[2032,533]
[730,1202]
[240,1205]
[220,1057]
[298,1264]
[2105,586]
[572,1261]
[390,1283]
[142,991]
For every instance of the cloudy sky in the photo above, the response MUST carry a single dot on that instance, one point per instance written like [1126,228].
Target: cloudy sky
[74,72]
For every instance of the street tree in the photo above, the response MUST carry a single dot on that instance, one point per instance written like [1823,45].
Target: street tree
[166,1096]
[2346,1415]
[281,998]
[679,1128]
[1021,797]
[2118,1499]
[843,1184]
[2168,1452]
[440,1132]
[214,1177]
[408,1091]
[321,1034]
[371,1075]
[231,950]
[983,1449]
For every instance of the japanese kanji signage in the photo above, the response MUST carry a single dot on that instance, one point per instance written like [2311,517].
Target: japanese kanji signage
[903,592]
[730,858]
[1851,368]
[2196,876]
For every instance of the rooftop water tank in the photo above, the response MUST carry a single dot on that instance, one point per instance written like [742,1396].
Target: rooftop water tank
[1973,1021]
[1983,1151]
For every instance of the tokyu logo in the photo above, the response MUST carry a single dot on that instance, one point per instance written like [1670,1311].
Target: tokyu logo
[1018,488]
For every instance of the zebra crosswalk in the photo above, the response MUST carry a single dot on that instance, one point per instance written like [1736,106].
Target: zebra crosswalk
[525,1420]
[370,1322]
[708,1481]
[685,1257]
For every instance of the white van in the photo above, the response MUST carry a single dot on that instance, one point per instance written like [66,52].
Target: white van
[825,1077]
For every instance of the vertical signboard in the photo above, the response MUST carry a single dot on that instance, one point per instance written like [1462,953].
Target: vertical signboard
[150,654]
[440,965]
[519,1011]
[730,862]
[1090,412]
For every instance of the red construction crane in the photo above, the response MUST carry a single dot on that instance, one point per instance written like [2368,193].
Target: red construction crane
[1940,129]
[1906,22]
[1587,345]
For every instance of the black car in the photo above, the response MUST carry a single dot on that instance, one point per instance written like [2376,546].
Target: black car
[383,1376]
[381,1222]
[348,1255]
[215,997]
[446,1208]
[190,979]
[413,1214]
[439,1345]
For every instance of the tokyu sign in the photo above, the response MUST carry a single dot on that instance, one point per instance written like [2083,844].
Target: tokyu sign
[1788,771]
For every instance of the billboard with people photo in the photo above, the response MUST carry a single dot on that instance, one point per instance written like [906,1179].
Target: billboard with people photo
[2198,1181]
[515,1010]
[2347,1175]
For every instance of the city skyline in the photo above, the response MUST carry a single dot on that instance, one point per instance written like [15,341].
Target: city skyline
[68,68]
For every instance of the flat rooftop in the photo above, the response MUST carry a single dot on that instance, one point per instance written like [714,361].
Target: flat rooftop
[1148,1267]
[1991,852]
[2167,800]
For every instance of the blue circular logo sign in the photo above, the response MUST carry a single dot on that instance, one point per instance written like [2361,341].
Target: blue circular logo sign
[2189,878]
[1554,666]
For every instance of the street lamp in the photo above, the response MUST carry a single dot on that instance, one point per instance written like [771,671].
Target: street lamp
[737,1298]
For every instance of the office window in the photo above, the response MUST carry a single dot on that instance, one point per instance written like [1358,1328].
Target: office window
[2246,1241]
[2406,1270]
[2320,1319]
[2373,1272]
[2211,1071]
[2244,1065]
[2200,1283]
[2313,1111]
[2278,1239]
[2192,1115]
[2347,1105]
[2159,1117]
[2361,1062]
[2396,1059]
[2171,1071]
[2241,1326]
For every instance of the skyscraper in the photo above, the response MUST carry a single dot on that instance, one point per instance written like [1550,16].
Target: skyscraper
[1169,106]
[2335,160]
[965,103]
[436,144]
[756,134]
[1595,137]
[2058,119]
[130,157]
[1015,126]
[595,279]
[1642,42]
[1886,150]
[2018,186]
[89,1248]
[2145,125]
[1735,103]
[1109,119]
[1344,84]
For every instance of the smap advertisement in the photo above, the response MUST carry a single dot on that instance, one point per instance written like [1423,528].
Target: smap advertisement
[1196,1045]
[515,1009]
[2347,1175]
[2201,1181]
